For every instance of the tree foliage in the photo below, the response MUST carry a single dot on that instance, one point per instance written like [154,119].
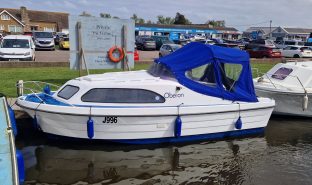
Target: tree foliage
[164,20]
[214,23]
[180,19]
[105,15]
[137,19]
[84,13]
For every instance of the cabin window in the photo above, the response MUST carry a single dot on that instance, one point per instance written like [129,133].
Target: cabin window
[118,95]
[204,74]
[67,92]
[282,73]
[230,73]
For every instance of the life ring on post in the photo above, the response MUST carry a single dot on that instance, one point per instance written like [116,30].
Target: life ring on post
[111,56]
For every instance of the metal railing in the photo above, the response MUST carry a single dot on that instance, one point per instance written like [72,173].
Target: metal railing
[35,88]
[269,77]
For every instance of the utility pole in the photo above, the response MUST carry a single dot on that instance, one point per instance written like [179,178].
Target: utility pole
[270,29]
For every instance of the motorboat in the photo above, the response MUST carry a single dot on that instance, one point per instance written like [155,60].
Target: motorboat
[290,85]
[198,92]
[11,160]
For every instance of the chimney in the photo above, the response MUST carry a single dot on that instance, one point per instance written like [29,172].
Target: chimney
[25,19]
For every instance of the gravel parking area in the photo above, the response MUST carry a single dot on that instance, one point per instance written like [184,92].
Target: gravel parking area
[52,56]
[63,55]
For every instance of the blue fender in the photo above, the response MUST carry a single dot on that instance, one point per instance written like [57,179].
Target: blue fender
[178,127]
[21,167]
[239,123]
[13,120]
[90,128]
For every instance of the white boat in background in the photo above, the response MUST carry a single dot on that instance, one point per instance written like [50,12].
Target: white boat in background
[290,85]
[198,92]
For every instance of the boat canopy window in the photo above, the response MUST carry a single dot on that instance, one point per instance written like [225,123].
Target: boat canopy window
[282,73]
[120,95]
[212,70]
[206,75]
[67,92]
[160,70]
[203,74]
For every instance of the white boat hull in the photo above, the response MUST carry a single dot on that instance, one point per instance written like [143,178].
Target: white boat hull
[288,103]
[148,123]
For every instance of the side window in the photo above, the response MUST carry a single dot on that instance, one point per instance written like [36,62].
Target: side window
[67,92]
[230,73]
[115,95]
[204,74]
[287,48]
[293,48]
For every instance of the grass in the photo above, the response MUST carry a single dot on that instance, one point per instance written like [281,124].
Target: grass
[59,75]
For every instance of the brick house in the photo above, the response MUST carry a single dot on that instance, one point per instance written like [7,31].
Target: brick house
[23,20]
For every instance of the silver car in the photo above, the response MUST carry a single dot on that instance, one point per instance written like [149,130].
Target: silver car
[44,40]
[166,49]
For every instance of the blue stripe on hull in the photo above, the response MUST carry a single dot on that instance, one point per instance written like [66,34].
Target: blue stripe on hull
[213,136]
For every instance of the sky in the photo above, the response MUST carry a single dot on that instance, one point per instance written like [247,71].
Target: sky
[240,14]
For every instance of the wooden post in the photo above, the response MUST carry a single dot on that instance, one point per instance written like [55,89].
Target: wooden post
[124,46]
[78,26]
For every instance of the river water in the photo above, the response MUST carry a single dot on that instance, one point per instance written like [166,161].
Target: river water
[281,157]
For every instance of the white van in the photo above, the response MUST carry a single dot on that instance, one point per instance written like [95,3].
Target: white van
[17,48]
[284,44]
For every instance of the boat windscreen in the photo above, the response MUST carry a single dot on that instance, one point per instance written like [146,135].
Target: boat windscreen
[159,70]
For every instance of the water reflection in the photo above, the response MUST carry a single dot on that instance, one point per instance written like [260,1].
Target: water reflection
[281,157]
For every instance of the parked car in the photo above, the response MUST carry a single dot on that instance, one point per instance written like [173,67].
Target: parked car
[145,43]
[228,45]
[260,42]
[44,40]
[206,41]
[297,52]
[160,40]
[264,52]
[166,49]
[64,43]
[283,44]
[17,48]
[58,36]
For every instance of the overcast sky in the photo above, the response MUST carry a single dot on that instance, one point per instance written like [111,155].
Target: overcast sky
[237,13]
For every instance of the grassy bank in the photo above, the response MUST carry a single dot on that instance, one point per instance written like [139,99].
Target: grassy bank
[59,75]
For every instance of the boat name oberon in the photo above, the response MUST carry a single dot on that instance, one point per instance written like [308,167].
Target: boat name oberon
[169,95]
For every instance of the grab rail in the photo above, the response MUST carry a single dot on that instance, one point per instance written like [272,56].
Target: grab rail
[39,84]
[296,77]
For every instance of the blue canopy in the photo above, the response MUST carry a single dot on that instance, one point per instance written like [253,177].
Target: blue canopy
[196,54]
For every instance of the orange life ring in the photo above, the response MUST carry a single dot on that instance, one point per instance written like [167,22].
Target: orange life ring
[111,56]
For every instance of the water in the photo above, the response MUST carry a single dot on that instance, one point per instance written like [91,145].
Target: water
[282,156]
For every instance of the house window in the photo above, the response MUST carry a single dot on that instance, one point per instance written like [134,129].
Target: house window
[5,17]
[34,28]
[48,29]
[1,27]
[15,28]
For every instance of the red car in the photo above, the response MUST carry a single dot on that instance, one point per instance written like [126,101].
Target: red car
[264,52]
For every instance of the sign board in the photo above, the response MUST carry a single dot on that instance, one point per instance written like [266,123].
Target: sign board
[95,36]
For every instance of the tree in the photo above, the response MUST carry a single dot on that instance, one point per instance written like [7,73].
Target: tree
[149,22]
[180,19]
[164,20]
[214,23]
[137,19]
[84,13]
[115,17]
[105,15]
